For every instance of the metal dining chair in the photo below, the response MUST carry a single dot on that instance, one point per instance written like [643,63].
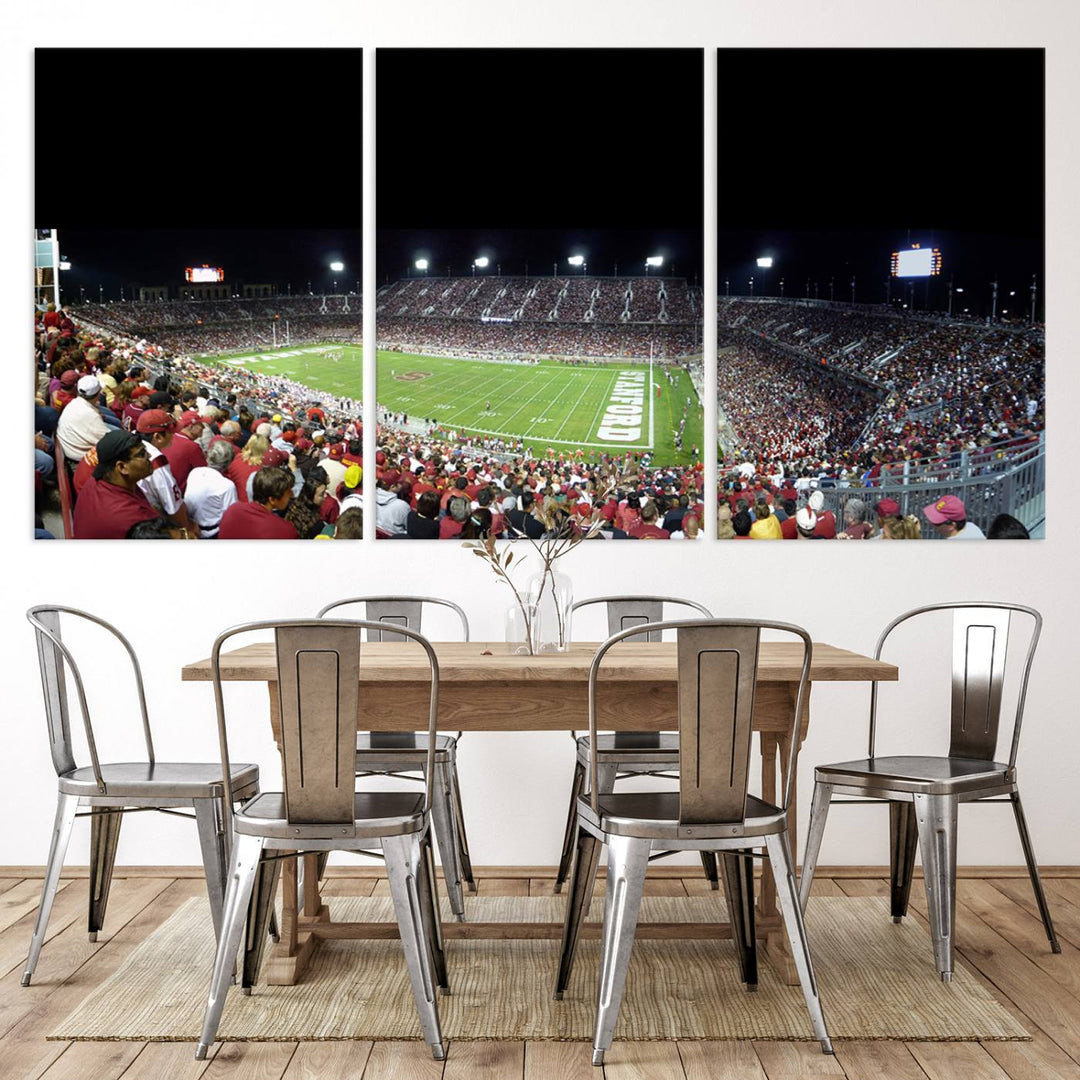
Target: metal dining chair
[627,753]
[403,754]
[318,667]
[923,792]
[111,790]
[711,811]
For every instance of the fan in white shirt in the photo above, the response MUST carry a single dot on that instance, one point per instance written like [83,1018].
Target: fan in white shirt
[209,491]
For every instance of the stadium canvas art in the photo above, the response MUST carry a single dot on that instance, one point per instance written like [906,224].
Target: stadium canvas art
[880,369]
[539,321]
[197,339]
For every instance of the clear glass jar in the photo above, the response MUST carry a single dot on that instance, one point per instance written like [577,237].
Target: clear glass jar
[553,595]
[522,629]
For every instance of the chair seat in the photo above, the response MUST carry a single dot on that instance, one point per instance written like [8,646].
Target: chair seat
[376,813]
[163,779]
[921,775]
[633,748]
[655,815]
[401,745]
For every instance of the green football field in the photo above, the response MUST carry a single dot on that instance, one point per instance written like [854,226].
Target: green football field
[317,366]
[602,407]
[547,404]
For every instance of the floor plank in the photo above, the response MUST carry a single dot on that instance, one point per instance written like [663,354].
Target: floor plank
[878,1060]
[1065,915]
[251,1061]
[956,1061]
[23,1048]
[643,1061]
[11,882]
[21,899]
[502,887]
[70,904]
[1024,930]
[346,886]
[786,1060]
[100,1060]
[545,1060]
[716,1060]
[497,1060]
[169,1061]
[402,1061]
[1040,1059]
[329,1061]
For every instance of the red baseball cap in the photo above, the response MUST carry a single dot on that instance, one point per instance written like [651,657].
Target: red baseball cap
[154,420]
[949,508]
[888,508]
[190,419]
[69,378]
[274,457]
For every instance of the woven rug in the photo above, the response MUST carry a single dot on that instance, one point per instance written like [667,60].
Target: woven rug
[876,979]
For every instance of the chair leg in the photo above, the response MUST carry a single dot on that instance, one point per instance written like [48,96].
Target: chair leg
[464,858]
[819,811]
[739,893]
[787,897]
[428,890]
[903,841]
[403,869]
[214,857]
[582,881]
[628,860]
[712,874]
[1033,871]
[104,836]
[246,856]
[66,805]
[259,913]
[577,789]
[442,821]
[936,817]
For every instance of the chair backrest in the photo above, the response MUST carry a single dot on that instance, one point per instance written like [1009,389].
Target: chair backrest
[53,657]
[390,611]
[717,677]
[318,675]
[980,638]
[624,612]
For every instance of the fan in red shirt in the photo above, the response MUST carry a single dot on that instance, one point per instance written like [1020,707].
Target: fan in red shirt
[184,453]
[110,501]
[271,491]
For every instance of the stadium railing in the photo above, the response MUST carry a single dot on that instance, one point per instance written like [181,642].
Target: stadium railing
[986,483]
[67,495]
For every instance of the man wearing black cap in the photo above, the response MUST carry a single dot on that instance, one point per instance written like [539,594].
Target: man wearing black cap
[111,502]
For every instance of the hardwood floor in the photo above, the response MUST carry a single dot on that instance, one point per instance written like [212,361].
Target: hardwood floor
[998,935]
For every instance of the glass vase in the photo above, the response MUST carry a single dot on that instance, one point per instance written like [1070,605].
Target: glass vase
[522,629]
[553,595]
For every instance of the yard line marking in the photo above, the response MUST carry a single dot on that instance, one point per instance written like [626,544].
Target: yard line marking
[581,397]
[562,442]
[543,386]
[566,386]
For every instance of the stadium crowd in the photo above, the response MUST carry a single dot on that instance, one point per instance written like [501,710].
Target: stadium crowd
[538,299]
[154,446]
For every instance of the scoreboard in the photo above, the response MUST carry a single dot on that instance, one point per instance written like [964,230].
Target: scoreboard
[203,274]
[916,262]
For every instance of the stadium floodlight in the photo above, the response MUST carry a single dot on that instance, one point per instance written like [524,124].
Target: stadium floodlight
[421,264]
[63,266]
[337,267]
[481,262]
[765,262]
[959,288]
[655,260]
[576,260]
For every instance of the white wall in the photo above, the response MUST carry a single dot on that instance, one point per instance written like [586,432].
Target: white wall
[515,785]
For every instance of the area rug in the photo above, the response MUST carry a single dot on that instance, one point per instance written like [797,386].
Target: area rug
[876,978]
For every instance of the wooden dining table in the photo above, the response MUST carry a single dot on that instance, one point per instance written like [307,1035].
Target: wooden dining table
[485,687]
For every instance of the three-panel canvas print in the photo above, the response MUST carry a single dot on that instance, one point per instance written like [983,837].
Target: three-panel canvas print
[544,367]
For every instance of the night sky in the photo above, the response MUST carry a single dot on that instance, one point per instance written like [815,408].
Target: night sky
[831,159]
